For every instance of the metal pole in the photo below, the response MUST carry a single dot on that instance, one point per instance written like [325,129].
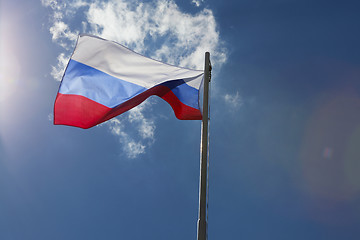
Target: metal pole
[202,222]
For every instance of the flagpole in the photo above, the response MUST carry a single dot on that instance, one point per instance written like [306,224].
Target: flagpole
[202,221]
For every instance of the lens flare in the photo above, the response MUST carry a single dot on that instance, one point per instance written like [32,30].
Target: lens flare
[327,153]
[330,154]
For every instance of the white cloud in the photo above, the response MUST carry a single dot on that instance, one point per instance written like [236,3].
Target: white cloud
[158,29]
[49,3]
[182,42]
[58,70]
[134,149]
[146,126]
[130,147]
[60,29]
[50,117]
[235,101]
[197,2]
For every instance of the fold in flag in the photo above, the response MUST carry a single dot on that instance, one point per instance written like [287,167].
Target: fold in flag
[104,79]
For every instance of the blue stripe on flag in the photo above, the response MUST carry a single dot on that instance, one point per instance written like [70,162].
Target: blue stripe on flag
[186,94]
[81,79]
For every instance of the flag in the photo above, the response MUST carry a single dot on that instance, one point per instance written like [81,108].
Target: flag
[104,79]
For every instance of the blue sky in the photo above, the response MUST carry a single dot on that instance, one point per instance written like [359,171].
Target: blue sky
[284,131]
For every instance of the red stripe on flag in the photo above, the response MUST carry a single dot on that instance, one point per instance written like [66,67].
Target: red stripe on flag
[79,111]
[182,111]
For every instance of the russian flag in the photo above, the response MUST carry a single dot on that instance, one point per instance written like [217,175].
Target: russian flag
[104,79]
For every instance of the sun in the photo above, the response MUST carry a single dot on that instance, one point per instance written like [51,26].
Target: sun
[10,70]
[9,64]
[9,75]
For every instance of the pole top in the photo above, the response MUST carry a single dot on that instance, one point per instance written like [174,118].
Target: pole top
[207,59]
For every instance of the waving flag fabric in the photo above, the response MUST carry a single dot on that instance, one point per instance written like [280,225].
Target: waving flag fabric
[104,79]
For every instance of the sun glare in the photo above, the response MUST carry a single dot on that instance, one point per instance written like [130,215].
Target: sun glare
[9,73]
[9,64]
[10,70]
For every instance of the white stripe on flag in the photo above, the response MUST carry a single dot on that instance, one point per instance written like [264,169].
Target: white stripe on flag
[120,62]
